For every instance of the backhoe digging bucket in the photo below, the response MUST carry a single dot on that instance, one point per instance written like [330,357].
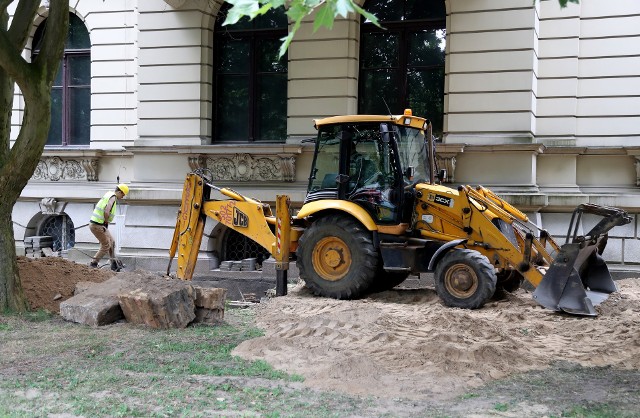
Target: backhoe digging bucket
[579,279]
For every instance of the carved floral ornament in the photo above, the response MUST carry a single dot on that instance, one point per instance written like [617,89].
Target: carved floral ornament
[247,167]
[56,169]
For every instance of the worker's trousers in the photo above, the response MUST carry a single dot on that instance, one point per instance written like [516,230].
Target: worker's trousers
[107,243]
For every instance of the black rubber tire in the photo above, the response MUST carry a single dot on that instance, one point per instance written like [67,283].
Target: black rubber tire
[360,266]
[509,280]
[465,279]
[386,280]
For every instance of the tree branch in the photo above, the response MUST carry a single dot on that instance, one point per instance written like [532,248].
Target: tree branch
[22,22]
[11,60]
[55,34]
[4,4]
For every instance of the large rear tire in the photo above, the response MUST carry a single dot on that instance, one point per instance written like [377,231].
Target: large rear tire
[465,279]
[336,258]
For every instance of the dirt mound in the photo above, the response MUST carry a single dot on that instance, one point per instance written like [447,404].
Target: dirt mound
[50,280]
[405,343]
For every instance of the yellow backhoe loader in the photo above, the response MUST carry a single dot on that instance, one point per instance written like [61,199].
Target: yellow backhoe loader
[376,212]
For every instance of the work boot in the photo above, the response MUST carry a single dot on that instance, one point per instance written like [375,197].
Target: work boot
[93,264]
[115,265]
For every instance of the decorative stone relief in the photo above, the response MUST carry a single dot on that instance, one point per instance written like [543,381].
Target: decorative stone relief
[247,167]
[50,206]
[56,169]
[637,165]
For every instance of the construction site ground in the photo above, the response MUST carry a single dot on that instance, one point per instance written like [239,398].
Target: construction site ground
[402,353]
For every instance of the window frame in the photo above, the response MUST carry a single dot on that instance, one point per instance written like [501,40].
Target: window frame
[253,36]
[66,87]
[404,29]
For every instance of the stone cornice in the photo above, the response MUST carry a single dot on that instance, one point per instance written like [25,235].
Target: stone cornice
[222,149]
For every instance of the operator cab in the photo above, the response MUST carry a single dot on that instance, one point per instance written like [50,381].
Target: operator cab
[369,160]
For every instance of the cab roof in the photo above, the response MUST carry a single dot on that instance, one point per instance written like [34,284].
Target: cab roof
[402,120]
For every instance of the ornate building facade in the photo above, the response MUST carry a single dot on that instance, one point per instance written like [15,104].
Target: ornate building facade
[538,103]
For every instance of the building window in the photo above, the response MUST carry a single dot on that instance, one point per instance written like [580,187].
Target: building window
[71,91]
[60,229]
[402,65]
[250,81]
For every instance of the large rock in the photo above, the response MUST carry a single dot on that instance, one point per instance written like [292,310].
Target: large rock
[98,304]
[143,298]
[159,303]
[209,304]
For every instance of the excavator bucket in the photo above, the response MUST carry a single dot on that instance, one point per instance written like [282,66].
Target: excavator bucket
[579,279]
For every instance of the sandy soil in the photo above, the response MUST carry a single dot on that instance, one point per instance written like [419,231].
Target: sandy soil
[404,342]
[48,281]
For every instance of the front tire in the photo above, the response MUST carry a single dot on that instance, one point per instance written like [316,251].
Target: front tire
[336,258]
[465,279]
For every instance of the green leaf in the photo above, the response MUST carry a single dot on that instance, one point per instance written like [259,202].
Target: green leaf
[325,17]
[264,9]
[287,40]
[276,3]
[285,44]
[344,7]
[370,17]
[240,9]
[297,11]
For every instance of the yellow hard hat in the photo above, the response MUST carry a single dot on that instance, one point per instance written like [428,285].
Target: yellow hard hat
[124,188]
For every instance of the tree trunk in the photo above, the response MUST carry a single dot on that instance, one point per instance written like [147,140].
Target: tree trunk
[11,295]
[18,162]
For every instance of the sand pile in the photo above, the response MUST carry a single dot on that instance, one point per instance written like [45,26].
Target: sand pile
[405,343]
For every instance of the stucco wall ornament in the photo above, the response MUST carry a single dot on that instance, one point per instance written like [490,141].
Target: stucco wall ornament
[247,167]
[56,169]
[50,206]
[637,164]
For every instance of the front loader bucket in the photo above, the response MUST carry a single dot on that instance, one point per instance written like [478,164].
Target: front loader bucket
[577,280]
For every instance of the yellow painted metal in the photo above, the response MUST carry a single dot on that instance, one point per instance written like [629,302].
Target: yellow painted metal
[445,214]
[412,121]
[188,233]
[246,217]
[351,208]
[484,192]
[283,232]
[331,258]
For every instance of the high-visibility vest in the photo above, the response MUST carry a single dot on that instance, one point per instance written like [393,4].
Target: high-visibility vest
[98,212]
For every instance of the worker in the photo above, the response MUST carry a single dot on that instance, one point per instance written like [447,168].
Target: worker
[103,214]
[363,171]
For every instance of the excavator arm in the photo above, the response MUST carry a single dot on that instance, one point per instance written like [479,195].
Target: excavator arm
[577,278]
[247,216]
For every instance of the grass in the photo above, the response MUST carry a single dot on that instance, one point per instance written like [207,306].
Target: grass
[49,366]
